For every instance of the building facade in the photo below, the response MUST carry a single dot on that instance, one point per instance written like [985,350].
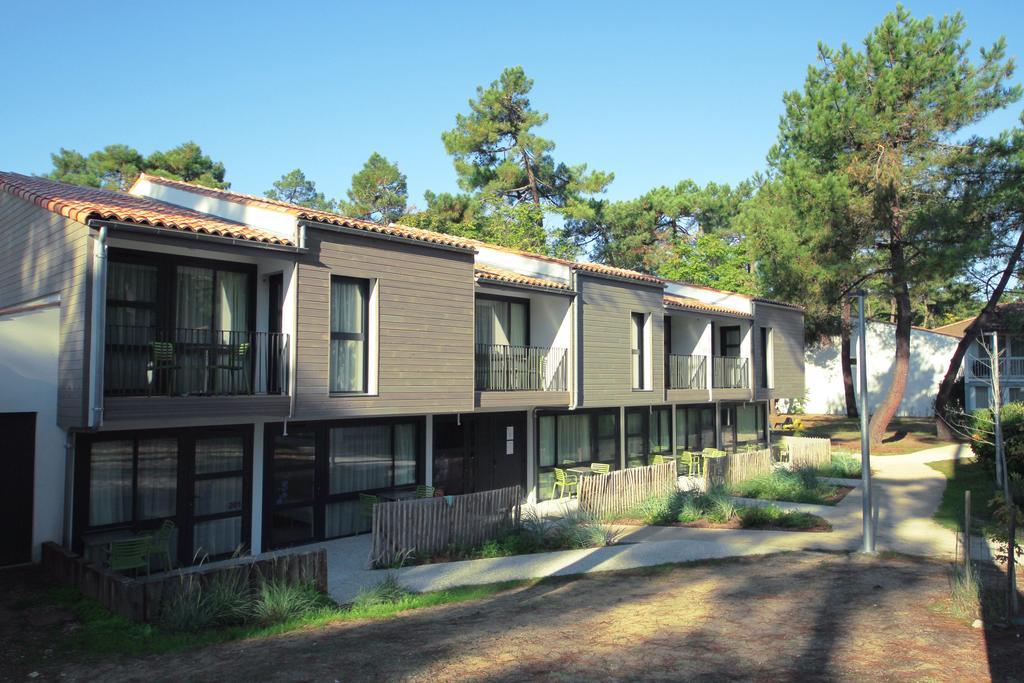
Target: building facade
[247,368]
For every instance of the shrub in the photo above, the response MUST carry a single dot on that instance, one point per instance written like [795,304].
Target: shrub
[720,508]
[277,601]
[965,594]
[229,597]
[691,510]
[189,609]
[843,466]
[772,515]
[797,486]
[1012,417]
[658,509]
[388,592]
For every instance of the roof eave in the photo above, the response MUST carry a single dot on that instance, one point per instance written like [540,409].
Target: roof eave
[523,285]
[359,232]
[147,229]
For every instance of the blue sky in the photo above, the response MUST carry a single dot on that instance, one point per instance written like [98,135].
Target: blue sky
[655,92]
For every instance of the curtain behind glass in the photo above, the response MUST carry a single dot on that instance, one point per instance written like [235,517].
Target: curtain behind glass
[405,454]
[217,537]
[607,437]
[492,322]
[232,301]
[517,325]
[110,482]
[574,438]
[347,360]
[130,328]
[359,458]
[193,334]
[158,477]
[547,440]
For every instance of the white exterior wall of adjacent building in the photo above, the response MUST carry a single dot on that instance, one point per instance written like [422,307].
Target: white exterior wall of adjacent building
[28,384]
[930,353]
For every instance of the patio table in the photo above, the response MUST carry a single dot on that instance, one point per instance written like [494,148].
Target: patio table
[395,496]
[581,471]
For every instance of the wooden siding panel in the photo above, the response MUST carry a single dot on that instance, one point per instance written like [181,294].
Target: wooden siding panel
[788,330]
[604,321]
[43,254]
[425,327]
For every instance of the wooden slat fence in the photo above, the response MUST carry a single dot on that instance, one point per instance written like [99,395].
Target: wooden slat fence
[427,526]
[808,451]
[619,492]
[737,467]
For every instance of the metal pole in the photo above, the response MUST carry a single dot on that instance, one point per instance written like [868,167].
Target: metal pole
[865,439]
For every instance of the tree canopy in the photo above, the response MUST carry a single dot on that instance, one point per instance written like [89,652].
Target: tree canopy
[378,193]
[294,188]
[115,167]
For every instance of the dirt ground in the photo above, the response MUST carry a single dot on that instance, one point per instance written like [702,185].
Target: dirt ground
[801,616]
[905,435]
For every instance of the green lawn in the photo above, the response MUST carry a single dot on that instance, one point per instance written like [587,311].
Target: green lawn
[963,476]
[905,434]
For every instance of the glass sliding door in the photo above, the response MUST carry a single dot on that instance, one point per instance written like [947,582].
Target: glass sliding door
[636,437]
[574,439]
[293,488]
[695,428]
[218,493]
[661,431]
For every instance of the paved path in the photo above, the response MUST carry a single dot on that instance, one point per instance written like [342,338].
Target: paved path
[906,494]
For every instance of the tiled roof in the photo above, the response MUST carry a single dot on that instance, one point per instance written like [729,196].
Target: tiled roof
[1008,317]
[602,269]
[490,274]
[775,302]
[84,203]
[306,213]
[686,303]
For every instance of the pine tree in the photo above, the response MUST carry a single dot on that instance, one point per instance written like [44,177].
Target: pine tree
[379,192]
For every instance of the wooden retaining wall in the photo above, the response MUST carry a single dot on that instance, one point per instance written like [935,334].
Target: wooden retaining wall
[427,526]
[737,467]
[142,598]
[807,451]
[617,493]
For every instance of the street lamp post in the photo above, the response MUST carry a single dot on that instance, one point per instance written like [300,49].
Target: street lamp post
[865,439]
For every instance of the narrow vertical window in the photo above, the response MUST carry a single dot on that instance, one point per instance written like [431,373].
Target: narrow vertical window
[349,312]
[636,334]
[766,360]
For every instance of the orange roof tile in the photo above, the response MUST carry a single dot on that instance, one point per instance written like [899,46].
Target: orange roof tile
[306,213]
[84,203]
[499,275]
[673,301]
[602,269]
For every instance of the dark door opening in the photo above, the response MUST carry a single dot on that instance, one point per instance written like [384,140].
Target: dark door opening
[276,357]
[16,486]
[479,452]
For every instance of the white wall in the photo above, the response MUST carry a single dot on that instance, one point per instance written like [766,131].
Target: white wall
[28,383]
[929,357]
[715,297]
[688,334]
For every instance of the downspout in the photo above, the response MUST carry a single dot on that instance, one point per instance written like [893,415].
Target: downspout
[293,351]
[575,342]
[97,330]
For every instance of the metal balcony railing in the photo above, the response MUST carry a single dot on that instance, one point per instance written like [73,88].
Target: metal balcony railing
[148,361]
[687,372]
[501,367]
[730,372]
[1010,368]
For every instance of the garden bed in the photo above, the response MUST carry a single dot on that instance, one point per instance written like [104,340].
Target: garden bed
[792,486]
[716,510]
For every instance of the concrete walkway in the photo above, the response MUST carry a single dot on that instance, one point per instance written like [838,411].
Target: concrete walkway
[906,494]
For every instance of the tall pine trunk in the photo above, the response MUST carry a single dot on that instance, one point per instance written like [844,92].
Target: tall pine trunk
[970,334]
[901,367]
[844,335]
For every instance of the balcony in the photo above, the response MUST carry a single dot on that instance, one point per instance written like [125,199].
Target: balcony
[730,372]
[147,361]
[500,367]
[687,372]
[1009,368]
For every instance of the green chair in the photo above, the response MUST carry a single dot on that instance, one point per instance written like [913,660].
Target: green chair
[563,480]
[129,554]
[160,545]
[660,460]
[600,467]
[691,461]
[162,359]
[423,491]
[234,367]
[366,502]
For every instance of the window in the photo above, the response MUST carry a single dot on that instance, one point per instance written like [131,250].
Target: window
[637,343]
[767,359]
[572,440]
[502,322]
[661,431]
[636,437]
[349,314]
[729,341]
[1016,394]
[695,428]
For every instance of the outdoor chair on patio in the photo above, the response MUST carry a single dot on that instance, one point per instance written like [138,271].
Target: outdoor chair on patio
[160,545]
[691,461]
[660,460]
[162,359]
[129,554]
[600,467]
[366,502]
[567,483]
[423,491]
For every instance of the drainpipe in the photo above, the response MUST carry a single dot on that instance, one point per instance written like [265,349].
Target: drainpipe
[69,488]
[97,331]
[575,342]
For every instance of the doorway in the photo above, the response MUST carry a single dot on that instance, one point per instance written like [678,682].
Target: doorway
[17,486]
[479,452]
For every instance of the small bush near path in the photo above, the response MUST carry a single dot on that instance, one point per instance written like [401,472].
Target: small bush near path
[794,486]
[536,533]
[843,466]
[717,510]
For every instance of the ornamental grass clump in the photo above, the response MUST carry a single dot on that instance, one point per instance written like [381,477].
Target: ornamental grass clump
[797,486]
